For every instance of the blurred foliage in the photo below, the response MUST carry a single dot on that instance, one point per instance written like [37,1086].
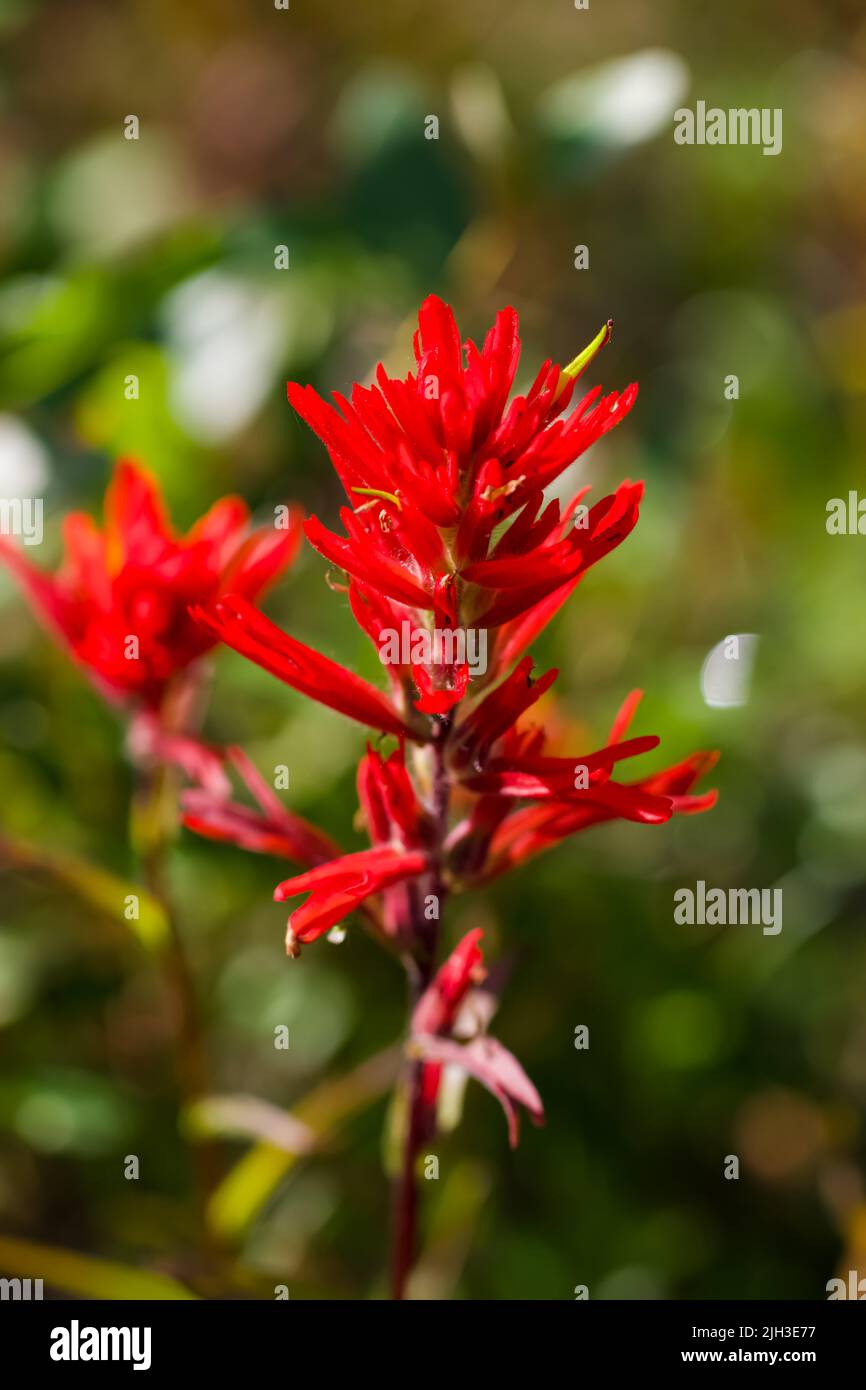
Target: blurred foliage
[155,257]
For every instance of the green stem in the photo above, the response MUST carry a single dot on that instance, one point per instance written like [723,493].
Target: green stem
[154,818]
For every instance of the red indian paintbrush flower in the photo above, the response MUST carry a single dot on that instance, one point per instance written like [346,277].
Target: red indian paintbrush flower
[455,559]
[448,533]
[447,527]
[120,602]
[435,465]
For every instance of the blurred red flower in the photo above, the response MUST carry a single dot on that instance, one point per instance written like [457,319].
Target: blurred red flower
[120,601]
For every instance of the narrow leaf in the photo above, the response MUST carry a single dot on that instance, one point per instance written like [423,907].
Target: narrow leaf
[84,1274]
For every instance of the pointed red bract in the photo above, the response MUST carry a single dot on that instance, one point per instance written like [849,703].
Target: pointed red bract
[437,1008]
[495,1067]
[272,829]
[342,885]
[241,626]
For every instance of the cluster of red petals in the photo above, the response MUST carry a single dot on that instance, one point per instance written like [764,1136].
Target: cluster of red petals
[435,465]
[564,794]
[121,600]
[337,883]
[448,527]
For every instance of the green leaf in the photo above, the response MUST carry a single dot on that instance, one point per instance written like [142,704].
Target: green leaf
[247,1117]
[249,1185]
[102,890]
[85,1275]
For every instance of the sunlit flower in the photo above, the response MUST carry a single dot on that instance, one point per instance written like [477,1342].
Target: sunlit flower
[448,530]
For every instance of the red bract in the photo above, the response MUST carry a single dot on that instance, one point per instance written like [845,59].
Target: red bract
[271,829]
[435,1019]
[394,815]
[437,1008]
[338,887]
[241,626]
[120,601]
[494,1066]
[559,813]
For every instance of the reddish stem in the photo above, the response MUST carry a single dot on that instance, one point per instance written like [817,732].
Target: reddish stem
[405,1215]
[420,1121]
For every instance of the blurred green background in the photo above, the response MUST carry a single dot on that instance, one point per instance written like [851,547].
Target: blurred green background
[306,128]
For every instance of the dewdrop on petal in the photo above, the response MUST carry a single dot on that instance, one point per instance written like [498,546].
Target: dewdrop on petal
[337,935]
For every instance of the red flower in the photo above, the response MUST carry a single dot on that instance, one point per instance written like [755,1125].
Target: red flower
[120,601]
[340,886]
[448,534]
[433,466]
[455,560]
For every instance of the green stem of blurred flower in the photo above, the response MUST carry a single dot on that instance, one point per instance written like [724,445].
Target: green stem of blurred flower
[421,968]
[154,822]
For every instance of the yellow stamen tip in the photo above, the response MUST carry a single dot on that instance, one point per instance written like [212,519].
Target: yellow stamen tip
[583,359]
[378,492]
